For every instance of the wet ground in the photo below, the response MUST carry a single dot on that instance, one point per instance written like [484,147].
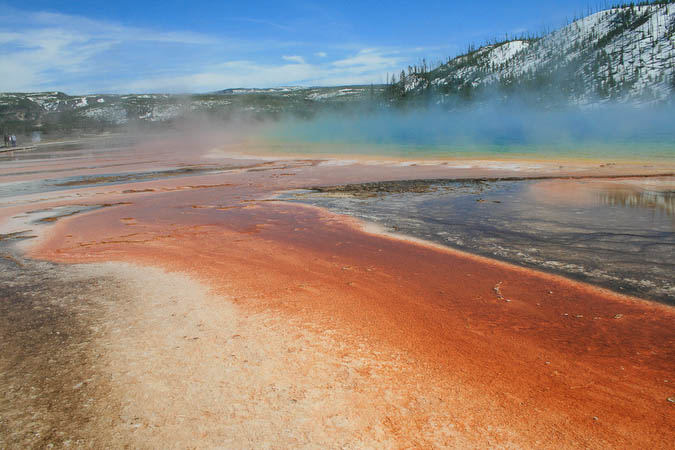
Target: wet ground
[622,238]
[13,189]
[101,357]
[47,360]
[70,148]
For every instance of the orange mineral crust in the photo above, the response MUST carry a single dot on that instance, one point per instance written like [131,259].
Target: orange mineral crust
[530,359]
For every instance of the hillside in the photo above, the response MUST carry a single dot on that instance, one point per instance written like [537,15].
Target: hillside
[624,54]
[56,111]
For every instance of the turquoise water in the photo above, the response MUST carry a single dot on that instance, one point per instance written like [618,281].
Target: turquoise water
[628,134]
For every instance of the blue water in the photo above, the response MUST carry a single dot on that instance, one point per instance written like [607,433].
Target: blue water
[616,132]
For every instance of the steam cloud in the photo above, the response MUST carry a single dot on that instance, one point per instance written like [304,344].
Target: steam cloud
[607,130]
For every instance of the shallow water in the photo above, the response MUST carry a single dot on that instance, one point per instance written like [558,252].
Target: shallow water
[18,188]
[608,133]
[620,239]
[650,153]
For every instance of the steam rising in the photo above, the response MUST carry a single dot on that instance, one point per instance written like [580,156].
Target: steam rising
[610,130]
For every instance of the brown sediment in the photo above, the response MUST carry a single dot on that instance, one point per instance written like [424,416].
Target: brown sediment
[371,189]
[140,176]
[12,258]
[13,235]
[513,357]
[48,372]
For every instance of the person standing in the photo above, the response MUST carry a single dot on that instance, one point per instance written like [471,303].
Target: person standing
[6,140]
[13,138]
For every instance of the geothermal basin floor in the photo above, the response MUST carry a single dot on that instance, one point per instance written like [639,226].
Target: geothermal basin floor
[200,311]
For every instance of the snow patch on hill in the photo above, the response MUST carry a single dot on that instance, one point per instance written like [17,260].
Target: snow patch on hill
[623,54]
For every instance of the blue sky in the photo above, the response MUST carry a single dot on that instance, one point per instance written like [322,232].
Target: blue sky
[200,46]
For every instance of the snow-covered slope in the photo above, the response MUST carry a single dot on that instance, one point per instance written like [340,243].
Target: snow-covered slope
[623,54]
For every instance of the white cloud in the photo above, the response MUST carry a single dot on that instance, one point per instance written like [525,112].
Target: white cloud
[109,30]
[45,50]
[371,59]
[42,51]
[48,51]
[368,66]
[252,74]
[295,58]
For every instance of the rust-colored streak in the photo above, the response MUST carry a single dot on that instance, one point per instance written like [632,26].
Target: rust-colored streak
[554,359]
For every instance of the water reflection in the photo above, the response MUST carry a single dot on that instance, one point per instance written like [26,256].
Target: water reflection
[662,202]
[615,233]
